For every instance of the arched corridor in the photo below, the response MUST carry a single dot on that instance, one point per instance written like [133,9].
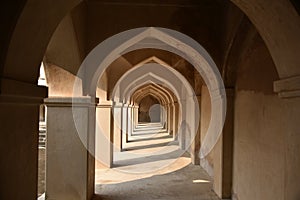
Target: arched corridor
[146,99]
[150,169]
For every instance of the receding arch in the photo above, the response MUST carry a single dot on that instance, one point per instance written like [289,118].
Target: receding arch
[279,36]
[138,94]
[175,79]
[161,97]
[153,73]
[169,103]
[105,53]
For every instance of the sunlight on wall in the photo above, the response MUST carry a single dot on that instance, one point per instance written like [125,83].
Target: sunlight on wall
[42,78]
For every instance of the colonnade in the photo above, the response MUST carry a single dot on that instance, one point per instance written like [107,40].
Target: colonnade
[105,125]
[117,121]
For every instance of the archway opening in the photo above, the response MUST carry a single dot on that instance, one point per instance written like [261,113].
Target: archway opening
[187,126]
[149,110]
[42,81]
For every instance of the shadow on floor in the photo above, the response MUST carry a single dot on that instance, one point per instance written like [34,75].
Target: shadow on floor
[151,138]
[177,185]
[147,146]
[151,158]
[148,132]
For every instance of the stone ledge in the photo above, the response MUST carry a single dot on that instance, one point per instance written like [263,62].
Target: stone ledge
[105,104]
[117,105]
[20,100]
[70,101]
[288,88]
[9,87]
[18,92]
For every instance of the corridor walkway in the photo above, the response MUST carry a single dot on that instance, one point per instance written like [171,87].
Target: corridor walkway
[152,167]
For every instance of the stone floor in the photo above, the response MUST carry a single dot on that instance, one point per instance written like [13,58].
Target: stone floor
[152,167]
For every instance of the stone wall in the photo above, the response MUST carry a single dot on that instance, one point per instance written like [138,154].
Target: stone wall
[266,143]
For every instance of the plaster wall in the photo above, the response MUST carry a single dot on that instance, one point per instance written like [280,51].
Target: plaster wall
[79,19]
[131,15]
[266,147]
[259,146]
[60,82]
[65,47]
[266,132]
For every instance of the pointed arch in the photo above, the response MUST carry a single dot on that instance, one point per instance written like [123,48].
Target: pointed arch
[166,39]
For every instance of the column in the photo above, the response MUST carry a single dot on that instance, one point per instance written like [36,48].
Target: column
[176,120]
[182,128]
[162,115]
[135,116]
[70,163]
[124,124]
[104,133]
[168,119]
[196,143]
[117,121]
[19,121]
[129,121]
[171,119]
[227,146]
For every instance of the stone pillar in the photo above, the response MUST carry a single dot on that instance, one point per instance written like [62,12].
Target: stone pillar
[135,116]
[124,124]
[129,121]
[117,121]
[162,115]
[104,133]
[70,166]
[196,140]
[19,122]
[169,119]
[176,120]
[182,128]
[171,123]
[223,152]
[227,139]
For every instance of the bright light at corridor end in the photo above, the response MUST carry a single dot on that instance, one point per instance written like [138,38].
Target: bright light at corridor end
[112,48]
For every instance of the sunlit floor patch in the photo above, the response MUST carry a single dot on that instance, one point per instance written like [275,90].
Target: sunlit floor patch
[143,158]
[152,167]
[167,185]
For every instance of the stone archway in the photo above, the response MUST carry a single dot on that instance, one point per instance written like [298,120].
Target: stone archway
[283,37]
[104,54]
[23,36]
[94,66]
[154,73]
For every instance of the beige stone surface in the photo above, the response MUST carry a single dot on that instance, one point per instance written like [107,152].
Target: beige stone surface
[253,43]
[68,165]
[153,167]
